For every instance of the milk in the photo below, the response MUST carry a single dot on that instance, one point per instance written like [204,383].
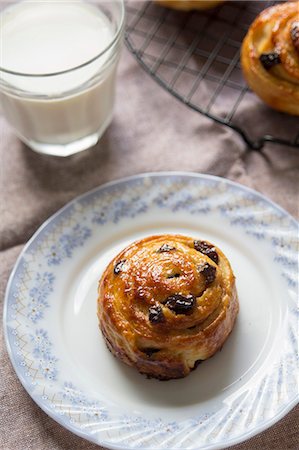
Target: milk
[69,109]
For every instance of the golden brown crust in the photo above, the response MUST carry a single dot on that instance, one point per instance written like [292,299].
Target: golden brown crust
[188,5]
[164,304]
[275,31]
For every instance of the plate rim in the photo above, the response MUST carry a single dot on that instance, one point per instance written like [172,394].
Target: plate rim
[52,413]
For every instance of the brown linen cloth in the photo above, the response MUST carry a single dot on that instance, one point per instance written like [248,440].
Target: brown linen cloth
[151,131]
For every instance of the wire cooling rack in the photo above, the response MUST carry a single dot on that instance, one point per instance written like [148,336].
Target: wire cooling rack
[195,56]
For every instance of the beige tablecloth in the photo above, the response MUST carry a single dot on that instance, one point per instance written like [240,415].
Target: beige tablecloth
[151,131]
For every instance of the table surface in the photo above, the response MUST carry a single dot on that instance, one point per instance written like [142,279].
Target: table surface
[151,131]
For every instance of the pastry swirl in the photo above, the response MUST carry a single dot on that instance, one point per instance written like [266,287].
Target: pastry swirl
[188,5]
[270,57]
[167,302]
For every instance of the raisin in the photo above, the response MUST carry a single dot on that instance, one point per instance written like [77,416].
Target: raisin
[295,35]
[209,272]
[155,314]
[119,266]
[180,304]
[165,248]
[269,60]
[150,351]
[207,249]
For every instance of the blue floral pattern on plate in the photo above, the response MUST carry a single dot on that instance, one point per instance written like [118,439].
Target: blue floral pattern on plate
[32,283]
[38,295]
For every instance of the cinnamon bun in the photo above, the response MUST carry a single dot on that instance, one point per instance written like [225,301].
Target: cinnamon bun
[166,303]
[188,5]
[270,57]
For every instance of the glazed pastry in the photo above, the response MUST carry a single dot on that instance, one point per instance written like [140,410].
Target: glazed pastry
[166,303]
[270,57]
[188,5]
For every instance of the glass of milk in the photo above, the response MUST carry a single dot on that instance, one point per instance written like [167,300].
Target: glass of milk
[58,61]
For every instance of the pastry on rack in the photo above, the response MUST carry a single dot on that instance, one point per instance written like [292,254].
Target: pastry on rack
[188,5]
[270,57]
[166,303]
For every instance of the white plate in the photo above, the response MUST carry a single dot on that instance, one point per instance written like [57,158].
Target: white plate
[58,352]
